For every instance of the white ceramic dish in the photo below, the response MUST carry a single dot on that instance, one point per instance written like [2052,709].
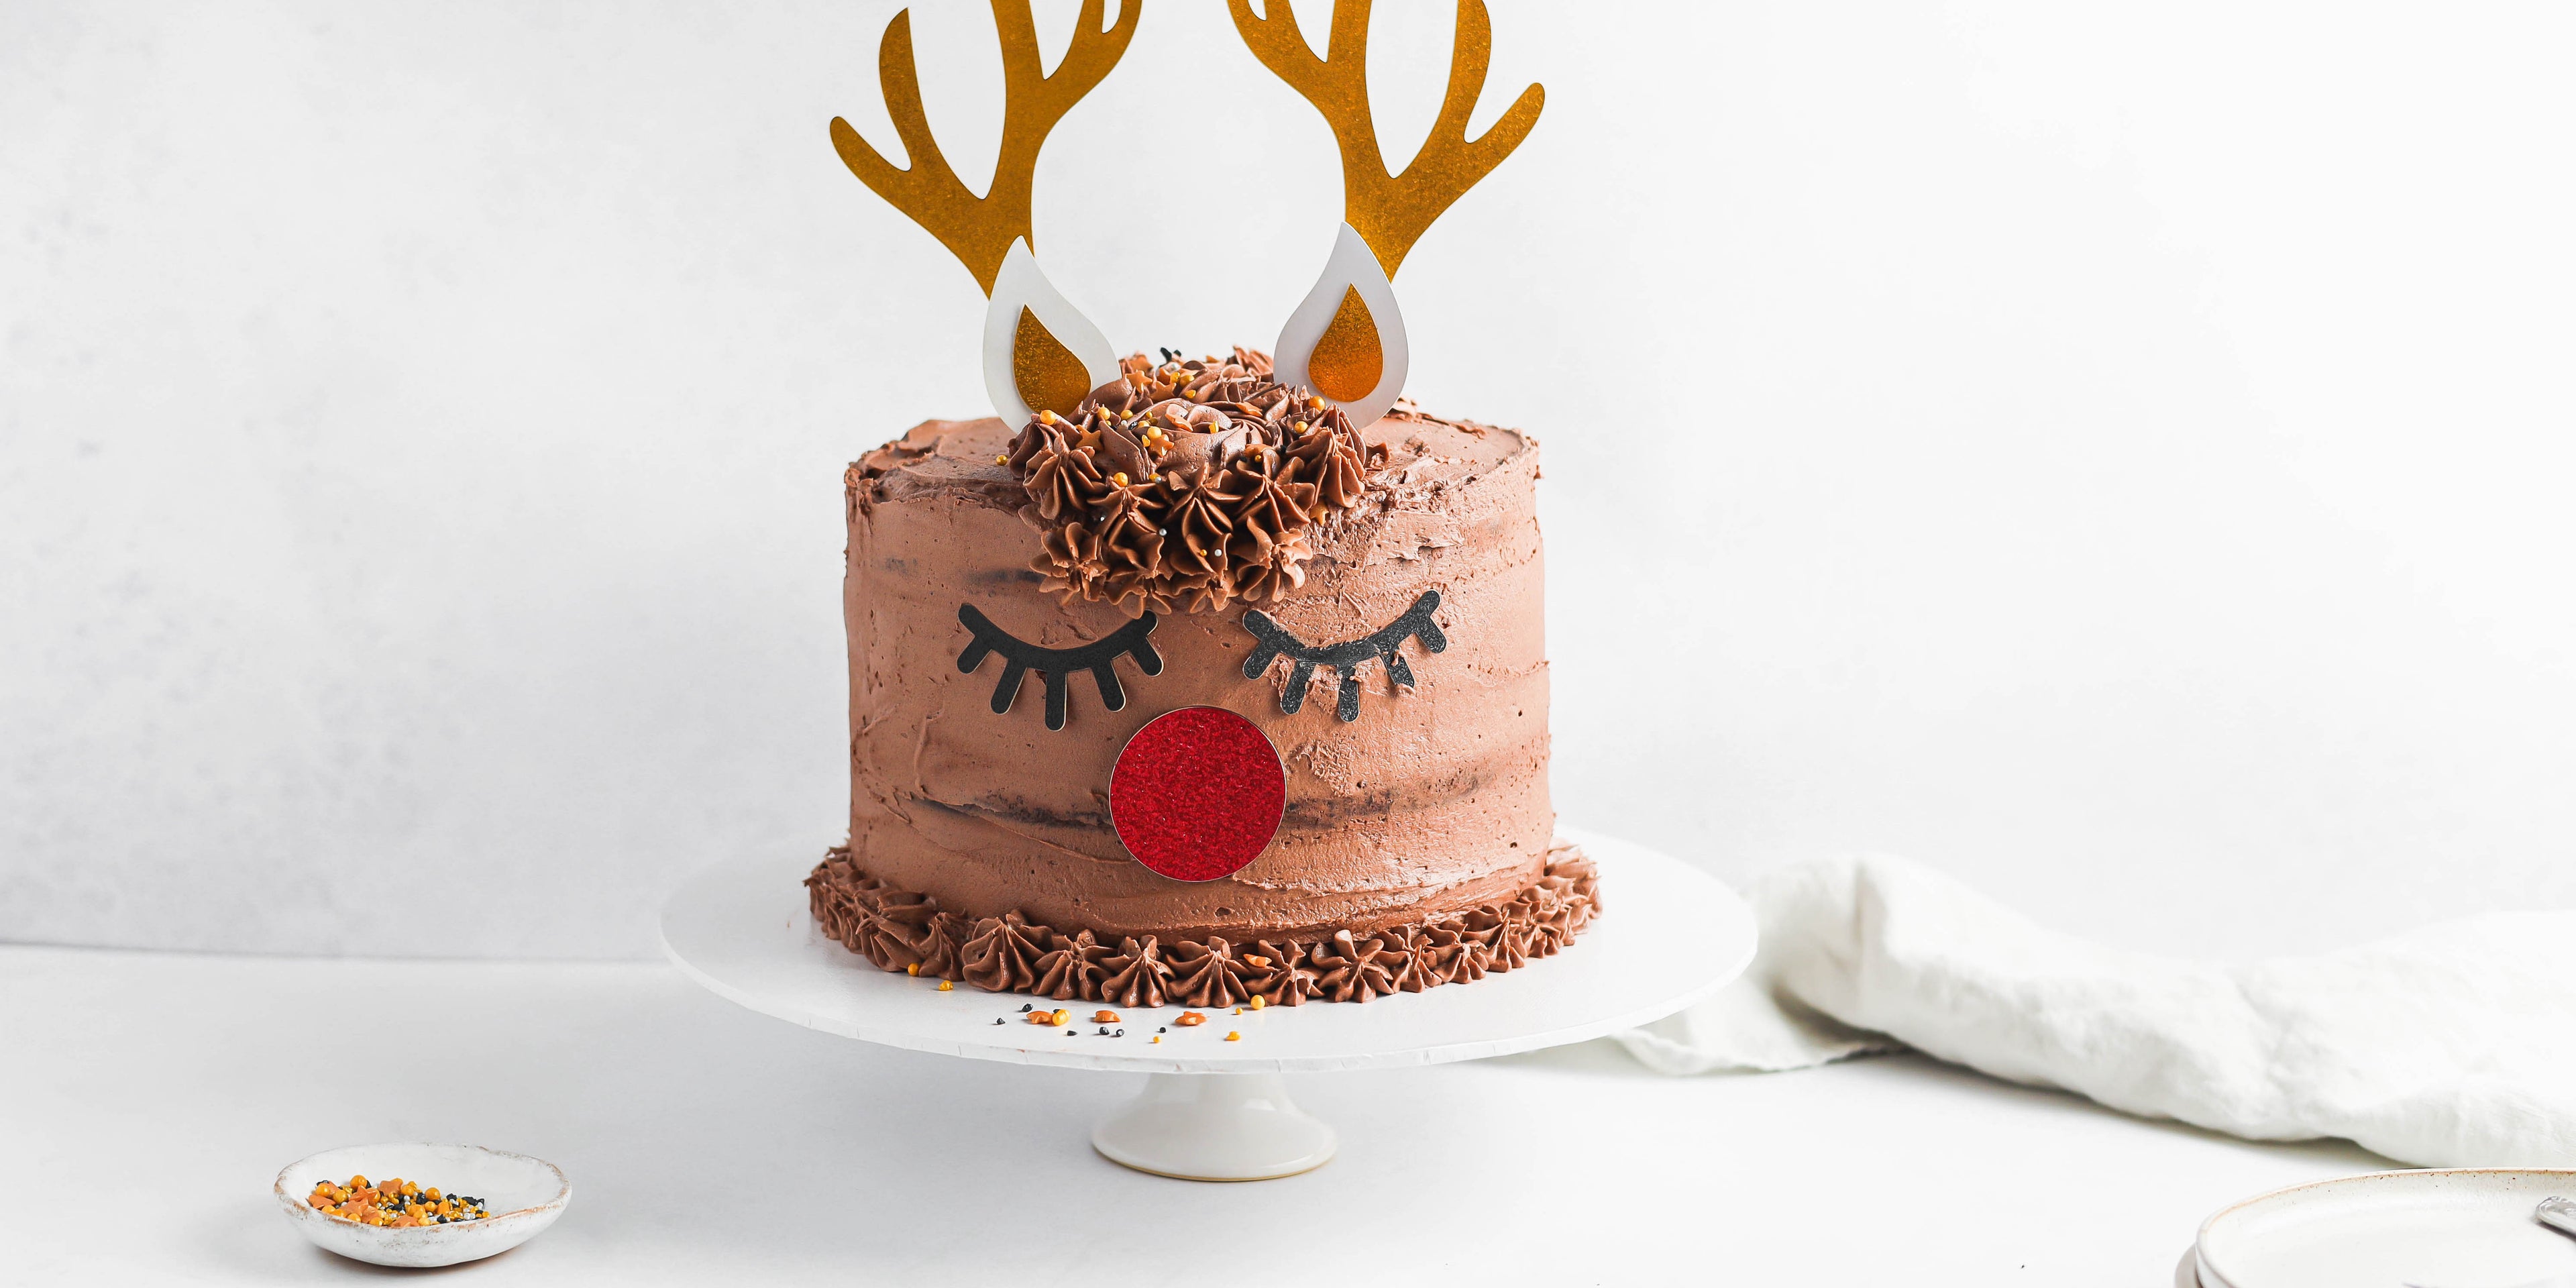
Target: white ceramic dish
[2448,1228]
[523,1194]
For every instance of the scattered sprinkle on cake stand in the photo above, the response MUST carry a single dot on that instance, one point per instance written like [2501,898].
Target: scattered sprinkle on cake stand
[1212,1109]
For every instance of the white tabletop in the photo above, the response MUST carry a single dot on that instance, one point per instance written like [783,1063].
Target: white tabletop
[709,1144]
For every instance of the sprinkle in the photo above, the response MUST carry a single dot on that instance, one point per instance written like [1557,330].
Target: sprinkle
[1104,1017]
[1234,1037]
[394,1202]
[1257,1003]
[1060,1017]
[1001,460]
[946,987]
[1154,1039]
[1119,478]
[1046,418]
[1190,1019]
[913,969]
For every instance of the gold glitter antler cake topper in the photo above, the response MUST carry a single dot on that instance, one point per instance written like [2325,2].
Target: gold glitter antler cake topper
[1040,353]
[1346,340]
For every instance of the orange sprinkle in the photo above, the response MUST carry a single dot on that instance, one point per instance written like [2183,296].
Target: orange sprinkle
[393,1202]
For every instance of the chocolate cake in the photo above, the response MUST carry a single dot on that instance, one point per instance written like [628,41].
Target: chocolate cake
[1197,680]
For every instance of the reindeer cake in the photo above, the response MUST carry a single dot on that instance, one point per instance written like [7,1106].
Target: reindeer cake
[1198,679]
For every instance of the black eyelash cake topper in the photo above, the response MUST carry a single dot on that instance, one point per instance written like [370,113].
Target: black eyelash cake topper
[1099,657]
[1344,657]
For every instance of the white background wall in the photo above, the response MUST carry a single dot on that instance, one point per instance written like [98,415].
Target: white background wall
[2120,454]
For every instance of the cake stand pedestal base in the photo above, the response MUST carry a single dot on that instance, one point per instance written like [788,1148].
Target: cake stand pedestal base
[1214,1127]
[1213,1108]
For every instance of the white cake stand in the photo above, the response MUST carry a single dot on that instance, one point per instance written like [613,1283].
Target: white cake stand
[1213,1109]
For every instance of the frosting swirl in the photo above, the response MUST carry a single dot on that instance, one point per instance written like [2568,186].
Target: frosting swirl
[1206,974]
[1136,976]
[1002,957]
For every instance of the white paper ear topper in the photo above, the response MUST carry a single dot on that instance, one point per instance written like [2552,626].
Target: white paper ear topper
[1346,340]
[1040,352]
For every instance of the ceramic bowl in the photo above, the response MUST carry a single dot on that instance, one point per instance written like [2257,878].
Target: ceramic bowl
[523,1194]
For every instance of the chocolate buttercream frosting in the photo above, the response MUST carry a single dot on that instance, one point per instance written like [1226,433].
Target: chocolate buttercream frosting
[1185,485]
[981,844]
[901,930]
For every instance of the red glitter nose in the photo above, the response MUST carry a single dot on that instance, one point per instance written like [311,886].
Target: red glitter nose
[1197,793]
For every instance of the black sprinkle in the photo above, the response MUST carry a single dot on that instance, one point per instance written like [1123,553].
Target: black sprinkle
[1165,1029]
[1119,1034]
[997,1021]
[1104,1030]
[1024,1008]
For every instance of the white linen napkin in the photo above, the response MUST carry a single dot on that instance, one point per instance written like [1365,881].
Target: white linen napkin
[2453,1045]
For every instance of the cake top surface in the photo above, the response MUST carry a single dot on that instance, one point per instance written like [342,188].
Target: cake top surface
[956,456]
[1185,485]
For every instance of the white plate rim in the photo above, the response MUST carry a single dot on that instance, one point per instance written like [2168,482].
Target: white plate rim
[1729,920]
[2210,1275]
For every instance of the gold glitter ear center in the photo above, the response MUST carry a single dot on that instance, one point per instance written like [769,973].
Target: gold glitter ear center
[1049,377]
[1348,359]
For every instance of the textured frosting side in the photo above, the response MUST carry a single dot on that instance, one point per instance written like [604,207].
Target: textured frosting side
[1433,801]
[901,930]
